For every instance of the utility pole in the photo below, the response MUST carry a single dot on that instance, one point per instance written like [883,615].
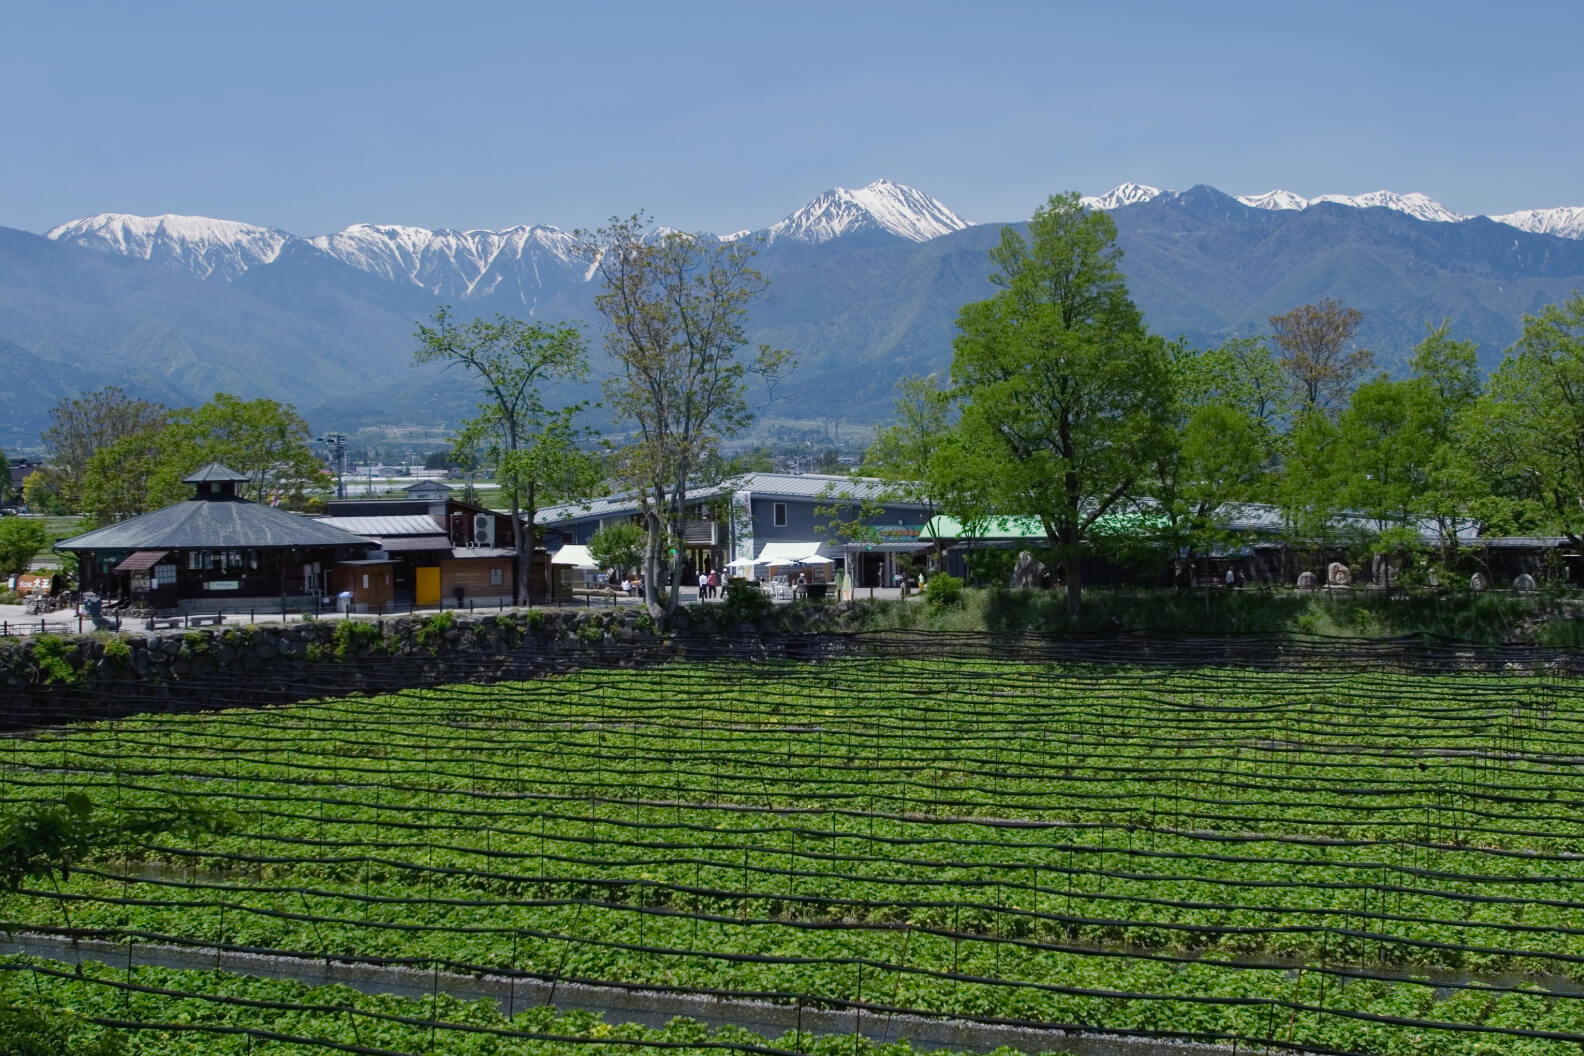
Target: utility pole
[337,443]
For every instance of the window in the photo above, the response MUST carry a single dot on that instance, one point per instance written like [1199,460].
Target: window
[164,575]
[365,581]
[496,578]
[780,515]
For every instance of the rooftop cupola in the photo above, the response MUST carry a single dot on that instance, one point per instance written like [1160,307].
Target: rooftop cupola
[215,481]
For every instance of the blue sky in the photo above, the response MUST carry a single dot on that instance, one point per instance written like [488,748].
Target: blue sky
[722,116]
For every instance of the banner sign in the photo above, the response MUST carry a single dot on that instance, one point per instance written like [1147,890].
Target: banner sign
[742,525]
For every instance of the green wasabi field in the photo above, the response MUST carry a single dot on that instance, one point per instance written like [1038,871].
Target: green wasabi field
[1335,862]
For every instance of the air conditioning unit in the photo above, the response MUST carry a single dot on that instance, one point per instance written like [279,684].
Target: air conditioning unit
[483,529]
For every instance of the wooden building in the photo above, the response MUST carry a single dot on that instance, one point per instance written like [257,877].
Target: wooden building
[442,551]
[215,552]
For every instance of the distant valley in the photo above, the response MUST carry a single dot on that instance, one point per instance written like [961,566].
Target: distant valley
[865,286]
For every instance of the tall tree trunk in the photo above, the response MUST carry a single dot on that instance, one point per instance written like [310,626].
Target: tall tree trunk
[1074,561]
[654,536]
[524,548]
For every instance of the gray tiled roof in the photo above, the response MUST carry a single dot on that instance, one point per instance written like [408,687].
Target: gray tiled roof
[216,523]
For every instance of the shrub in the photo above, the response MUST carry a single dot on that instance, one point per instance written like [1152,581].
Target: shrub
[942,590]
[744,601]
[351,636]
[431,633]
[118,652]
[52,654]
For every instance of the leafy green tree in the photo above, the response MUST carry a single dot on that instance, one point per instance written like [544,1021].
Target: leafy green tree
[1224,444]
[1386,451]
[676,306]
[619,545]
[118,480]
[20,539]
[1314,340]
[267,441]
[1449,369]
[533,444]
[1310,477]
[43,842]
[80,427]
[264,440]
[1064,395]
[1527,432]
[41,495]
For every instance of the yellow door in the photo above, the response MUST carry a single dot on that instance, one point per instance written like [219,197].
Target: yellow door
[427,586]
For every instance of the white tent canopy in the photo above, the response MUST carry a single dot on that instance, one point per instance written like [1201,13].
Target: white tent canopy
[575,555]
[741,562]
[791,554]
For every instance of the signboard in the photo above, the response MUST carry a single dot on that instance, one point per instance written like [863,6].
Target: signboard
[224,584]
[28,583]
[742,525]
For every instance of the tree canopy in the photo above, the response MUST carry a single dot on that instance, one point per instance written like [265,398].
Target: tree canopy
[80,428]
[266,441]
[534,445]
[1064,395]
[676,309]
[1314,339]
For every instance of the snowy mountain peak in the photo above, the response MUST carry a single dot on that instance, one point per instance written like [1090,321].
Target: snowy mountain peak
[1120,195]
[882,206]
[1566,221]
[208,248]
[1415,204]
[462,263]
[1274,199]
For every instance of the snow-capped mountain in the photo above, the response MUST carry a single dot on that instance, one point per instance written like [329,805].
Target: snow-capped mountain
[207,248]
[1122,194]
[1276,199]
[881,206]
[1415,204]
[523,261]
[455,263]
[469,264]
[1566,221]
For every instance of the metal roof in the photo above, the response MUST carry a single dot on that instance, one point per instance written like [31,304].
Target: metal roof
[213,472]
[388,525]
[759,485]
[407,543]
[140,561]
[215,522]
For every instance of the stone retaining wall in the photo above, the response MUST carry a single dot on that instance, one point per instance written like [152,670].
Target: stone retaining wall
[46,677]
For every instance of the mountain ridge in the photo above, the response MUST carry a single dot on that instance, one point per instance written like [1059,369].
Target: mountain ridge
[476,262]
[862,289]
